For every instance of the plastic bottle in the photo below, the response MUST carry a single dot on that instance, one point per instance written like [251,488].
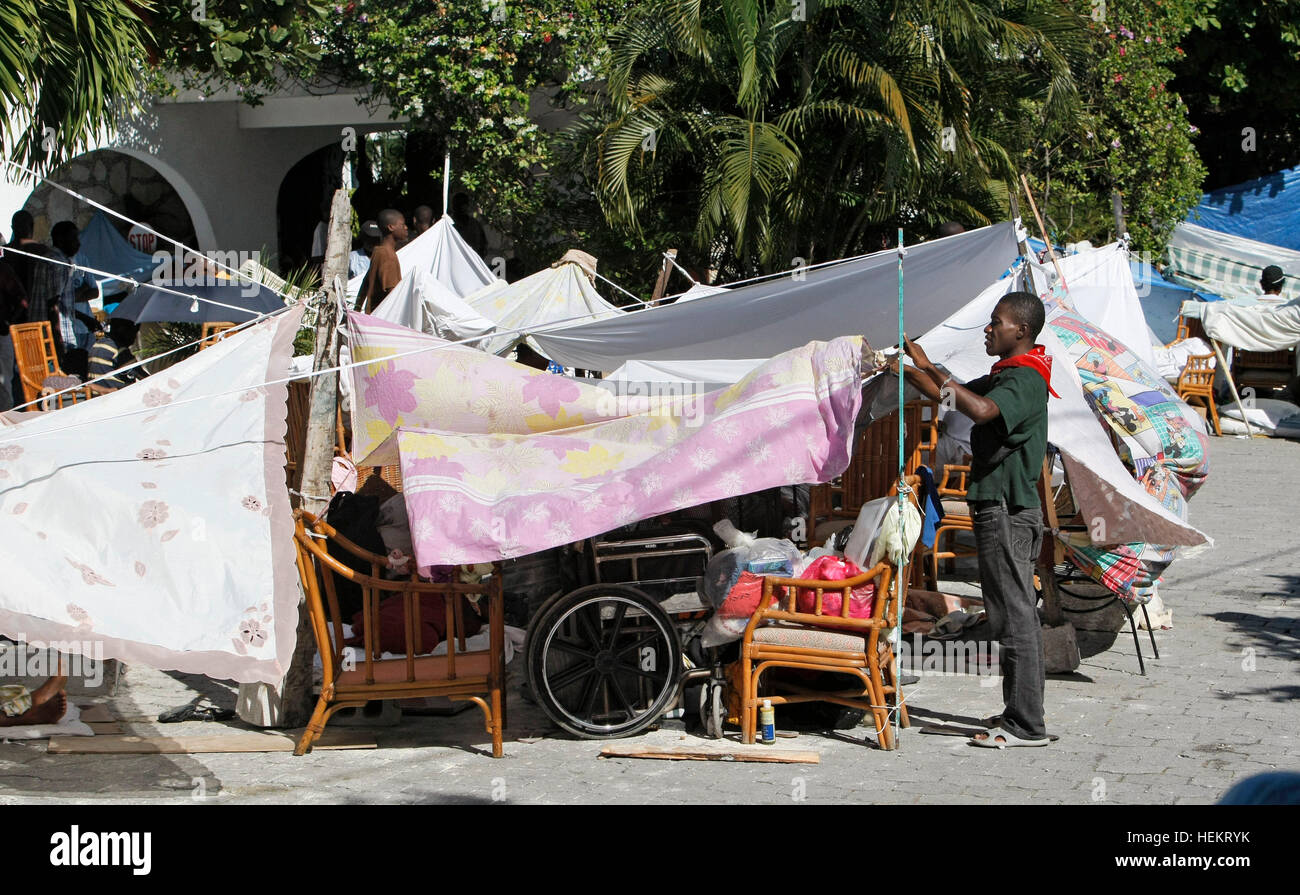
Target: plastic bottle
[767,723]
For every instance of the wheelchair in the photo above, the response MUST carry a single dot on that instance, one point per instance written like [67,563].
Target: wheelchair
[610,658]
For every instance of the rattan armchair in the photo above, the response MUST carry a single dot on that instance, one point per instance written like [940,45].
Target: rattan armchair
[352,680]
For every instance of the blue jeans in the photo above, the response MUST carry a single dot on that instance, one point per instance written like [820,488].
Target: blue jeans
[1008,544]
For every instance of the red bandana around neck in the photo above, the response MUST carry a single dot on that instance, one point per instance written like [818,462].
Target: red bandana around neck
[1036,358]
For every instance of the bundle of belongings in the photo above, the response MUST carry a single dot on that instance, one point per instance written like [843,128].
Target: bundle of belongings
[733,581]
[377,521]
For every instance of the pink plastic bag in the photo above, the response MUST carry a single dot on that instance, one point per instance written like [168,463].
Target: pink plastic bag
[834,568]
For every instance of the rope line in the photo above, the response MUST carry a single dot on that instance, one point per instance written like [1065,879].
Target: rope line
[91,202]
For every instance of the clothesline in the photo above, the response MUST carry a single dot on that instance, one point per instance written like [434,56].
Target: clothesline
[102,273]
[91,202]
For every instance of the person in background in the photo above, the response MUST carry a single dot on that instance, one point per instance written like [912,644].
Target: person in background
[13,309]
[423,219]
[385,270]
[1272,280]
[359,260]
[57,286]
[320,235]
[111,352]
[23,227]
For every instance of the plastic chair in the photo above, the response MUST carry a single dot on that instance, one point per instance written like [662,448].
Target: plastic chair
[477,676]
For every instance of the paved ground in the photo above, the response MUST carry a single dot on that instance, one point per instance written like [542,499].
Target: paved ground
[1221,703]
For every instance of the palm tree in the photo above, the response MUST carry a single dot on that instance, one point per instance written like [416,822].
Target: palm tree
[66,68]
[779,129]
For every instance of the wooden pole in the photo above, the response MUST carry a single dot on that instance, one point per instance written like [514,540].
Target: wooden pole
[1042,231]
[289,705]
[1232,384]
[665,271]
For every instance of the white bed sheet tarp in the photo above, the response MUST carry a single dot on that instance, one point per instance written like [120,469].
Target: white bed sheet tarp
[1101,288]
[441,252]
[763,319]
[559,293]
[1253,328]
[422,303]
[154,522]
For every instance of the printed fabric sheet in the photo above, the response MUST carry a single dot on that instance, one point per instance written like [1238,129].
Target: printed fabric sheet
[499,460]
[1155,437]
[152,524]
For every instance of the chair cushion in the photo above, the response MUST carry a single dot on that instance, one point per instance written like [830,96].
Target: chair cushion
[954,507]
[810,638]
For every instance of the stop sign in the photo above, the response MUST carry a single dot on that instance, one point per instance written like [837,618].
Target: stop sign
[141,239]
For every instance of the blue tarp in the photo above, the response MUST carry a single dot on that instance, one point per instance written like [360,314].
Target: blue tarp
[103,248]
[1266,210]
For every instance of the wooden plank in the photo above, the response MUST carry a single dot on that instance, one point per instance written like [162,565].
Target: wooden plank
[193,745]
[95,713]
[729,752]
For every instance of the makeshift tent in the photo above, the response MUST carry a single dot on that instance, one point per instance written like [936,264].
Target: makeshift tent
[441,252]
[103,248]
[1101,288]
[499,460]
[1229,266]
[1266,209]
[422,303]
[561,292]
[155,522]
[1254,328]
[228,301]
[1120,510]
[1162,300]
[765,318]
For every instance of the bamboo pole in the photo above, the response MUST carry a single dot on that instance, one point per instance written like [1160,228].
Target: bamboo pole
[289,704]
[1232,384]
[1042,231]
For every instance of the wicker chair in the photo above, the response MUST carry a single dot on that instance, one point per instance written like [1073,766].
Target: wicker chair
[781,636]
[213,333]
[477,676]
[956,517]
[37,362]
[1197,381]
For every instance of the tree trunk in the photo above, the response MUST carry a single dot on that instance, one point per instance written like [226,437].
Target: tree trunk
[290,704]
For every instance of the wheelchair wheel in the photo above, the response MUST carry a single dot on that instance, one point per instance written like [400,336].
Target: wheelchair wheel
[713,709]
[603,661]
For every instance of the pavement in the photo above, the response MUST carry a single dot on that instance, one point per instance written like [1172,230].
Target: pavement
[1221,703]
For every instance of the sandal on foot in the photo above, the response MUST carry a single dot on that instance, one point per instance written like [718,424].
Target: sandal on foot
[1008,740]
[996,721]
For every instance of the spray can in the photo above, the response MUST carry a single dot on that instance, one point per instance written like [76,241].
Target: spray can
[767,723]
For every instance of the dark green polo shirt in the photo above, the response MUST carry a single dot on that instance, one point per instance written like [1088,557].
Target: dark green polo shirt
[1021,427]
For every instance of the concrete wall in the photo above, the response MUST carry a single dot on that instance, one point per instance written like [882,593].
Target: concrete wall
[228,176]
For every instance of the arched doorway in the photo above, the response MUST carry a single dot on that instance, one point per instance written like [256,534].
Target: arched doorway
[303,201]
[128,184]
